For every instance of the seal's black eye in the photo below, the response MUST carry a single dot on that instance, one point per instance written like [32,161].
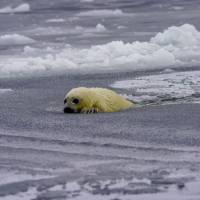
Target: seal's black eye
[65,101]
[75,101]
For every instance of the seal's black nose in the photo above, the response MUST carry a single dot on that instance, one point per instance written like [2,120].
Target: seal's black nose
[68,110]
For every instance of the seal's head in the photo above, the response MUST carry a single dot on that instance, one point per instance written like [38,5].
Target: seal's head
[77,99]
[93,100]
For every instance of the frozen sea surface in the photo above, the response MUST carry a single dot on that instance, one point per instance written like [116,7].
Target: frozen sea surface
[166,86]
[152,151]
[65,37]
[147,51]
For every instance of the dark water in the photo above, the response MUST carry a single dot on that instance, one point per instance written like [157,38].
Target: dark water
[150,152]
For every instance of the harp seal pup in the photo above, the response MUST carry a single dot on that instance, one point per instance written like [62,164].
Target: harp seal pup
[94,100]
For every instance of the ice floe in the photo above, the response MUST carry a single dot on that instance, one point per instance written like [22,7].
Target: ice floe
[100,28]
[15,39]
[178,36]
[55,20]
[25,7]
[102,13]
[2,91]
[86,1]
[111,189]
[65,31]
[175,47]
[167,86]
[30,194]
[15,176]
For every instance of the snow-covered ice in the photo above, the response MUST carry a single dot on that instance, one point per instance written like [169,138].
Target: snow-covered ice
[163,86]
[152,152]
[28,195]
[103,13]
[182,36]
[67,31]
[55,20]
[176,47]
[79,192]
[15,39]
[87,1]
[5,90]
[100,28]
[25,7]
[14,176]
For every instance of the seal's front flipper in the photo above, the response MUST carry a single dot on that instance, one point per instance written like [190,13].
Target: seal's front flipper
[89,110]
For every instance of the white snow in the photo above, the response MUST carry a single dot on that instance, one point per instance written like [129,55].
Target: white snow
[102,13]
[85,192]
[5,90]
[190,193]
[100,28]
[122,27]
[25,7]
[55,20]
[15,39]
[14,176]
[49,30]
[122,183]
[167,85]
[7,177]
[28,195]
[68,30]
[177,8]
[176,47]
[86,1]
[73,186]
[182,36]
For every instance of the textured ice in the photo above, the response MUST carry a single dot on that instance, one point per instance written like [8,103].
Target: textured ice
[87,1]
[176,47]
[4,90]
[19,9]
[191,193]
[55,20]
[28,195]
[100,28]
[14,176]
[178,37]
[65,31]
[177,7]
[102,13]
[163,86]
[15,39]
[123,189]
